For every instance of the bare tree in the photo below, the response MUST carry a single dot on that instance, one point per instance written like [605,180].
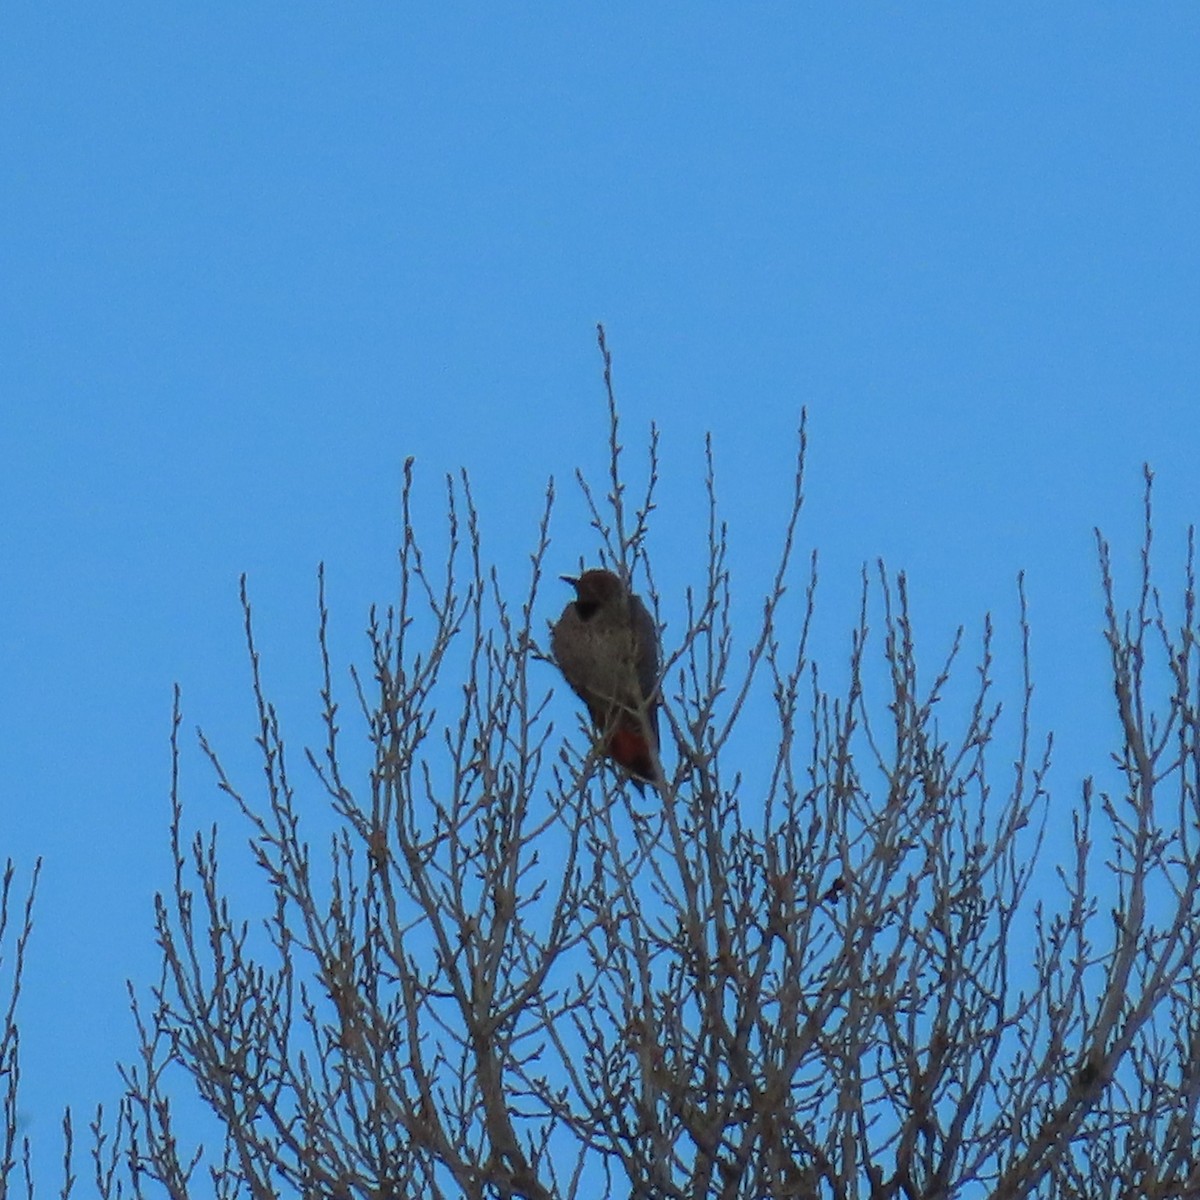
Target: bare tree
[16,926]
[837,974]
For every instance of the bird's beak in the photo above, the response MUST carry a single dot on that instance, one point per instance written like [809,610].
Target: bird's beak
[570,579]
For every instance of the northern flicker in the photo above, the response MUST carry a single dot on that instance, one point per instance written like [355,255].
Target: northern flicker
[606,646]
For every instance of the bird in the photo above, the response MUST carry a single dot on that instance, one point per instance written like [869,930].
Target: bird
[606,646]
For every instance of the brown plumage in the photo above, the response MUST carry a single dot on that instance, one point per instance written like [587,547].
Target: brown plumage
[606,646]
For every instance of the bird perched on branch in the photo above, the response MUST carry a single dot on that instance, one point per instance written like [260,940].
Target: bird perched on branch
[606,645]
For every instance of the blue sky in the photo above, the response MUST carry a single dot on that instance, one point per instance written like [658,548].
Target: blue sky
[254,256]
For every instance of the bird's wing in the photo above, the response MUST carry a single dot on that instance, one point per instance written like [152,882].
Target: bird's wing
[646,635]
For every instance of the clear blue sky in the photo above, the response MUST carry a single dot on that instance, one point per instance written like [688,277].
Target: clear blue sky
[253,256]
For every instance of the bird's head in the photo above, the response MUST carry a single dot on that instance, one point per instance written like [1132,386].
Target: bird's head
[594,590]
